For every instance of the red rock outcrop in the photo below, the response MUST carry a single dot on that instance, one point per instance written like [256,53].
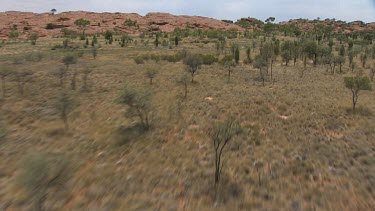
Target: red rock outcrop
[28,22]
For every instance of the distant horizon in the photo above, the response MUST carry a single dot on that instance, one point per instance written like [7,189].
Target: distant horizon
[285,10]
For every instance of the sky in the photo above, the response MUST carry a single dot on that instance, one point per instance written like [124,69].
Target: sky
[283,10]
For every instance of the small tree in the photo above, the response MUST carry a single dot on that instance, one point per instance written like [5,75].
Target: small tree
[69,60]
[248,59]
[94,52]
[229,66]
[285,54]
[33,37]
[156,42]
[108,36]
[38,175]
[22,77]
[65,105]
[193,63]
[53,11]
[151,73]
[82,23]
[237,55]
[60,73]
[139,103]
[356,84]
[363,58]
[86,72]
[261,63]
[340,60]
[372,73]
[4,72]
[176,40]
[221,134]
[184,79]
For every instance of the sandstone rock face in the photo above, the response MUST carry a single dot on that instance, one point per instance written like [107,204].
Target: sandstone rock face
[338,25]
[28,22]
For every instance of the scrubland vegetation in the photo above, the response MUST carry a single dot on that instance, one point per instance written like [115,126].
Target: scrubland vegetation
[272,119]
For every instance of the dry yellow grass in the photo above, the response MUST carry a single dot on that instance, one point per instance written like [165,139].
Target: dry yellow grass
[316,154]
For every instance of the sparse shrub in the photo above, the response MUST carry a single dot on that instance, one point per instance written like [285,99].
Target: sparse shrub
[34,57]
[139,102]
[51,26]
[208,59]
[129,22]
[37,175]
[372,73]
[248,59]
[79,54]
[125,40]
[4,73]
[229,66]
[13,35]
[237,55]
[108,36]
[356,84]
[156,42]
[86,72]
[69,60]
[66,43]
[363,59]
[94,52]
[33,37]
[22,77]
[3,132]
[258,165]
[139,60]
[176,39]
[60,73]
[151,73]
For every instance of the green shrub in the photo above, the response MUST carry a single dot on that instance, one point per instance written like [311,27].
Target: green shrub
[139,60]
[37,174]
[139,102]
[51,26]
[34,57]
[208,59]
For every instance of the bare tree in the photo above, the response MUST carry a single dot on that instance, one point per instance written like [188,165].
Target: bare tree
[86,72]
[22,77]
[65,105]
[229,66]
[221,134]
[184,79]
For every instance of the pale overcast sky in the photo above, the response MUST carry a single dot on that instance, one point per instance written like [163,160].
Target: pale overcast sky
[347,10]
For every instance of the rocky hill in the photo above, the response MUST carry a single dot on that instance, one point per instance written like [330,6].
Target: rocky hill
[27,22]
[337,25]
